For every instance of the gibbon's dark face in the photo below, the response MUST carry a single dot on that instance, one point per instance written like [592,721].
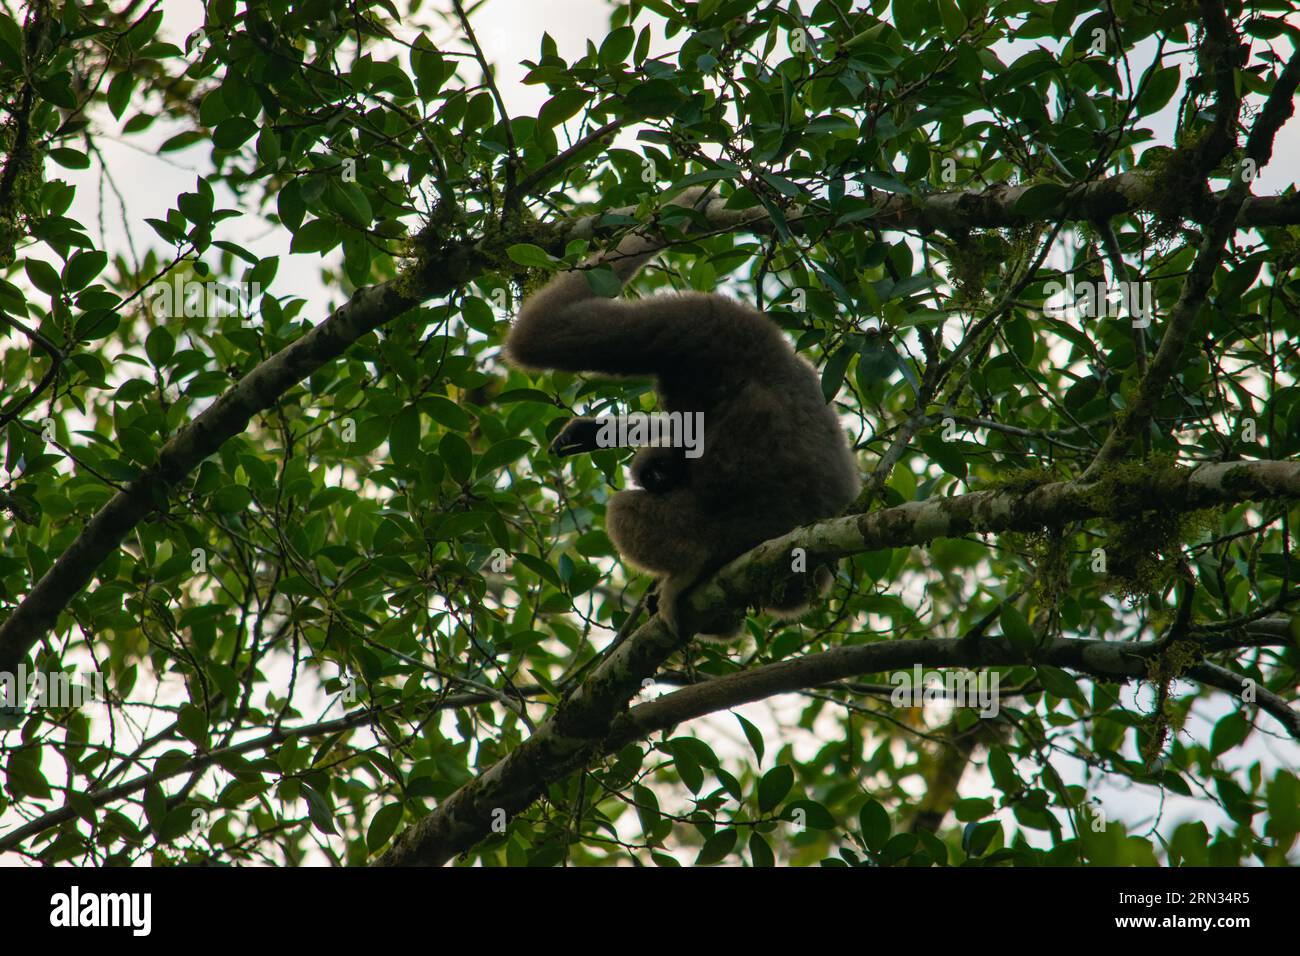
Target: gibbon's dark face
[774,456]
[659,470]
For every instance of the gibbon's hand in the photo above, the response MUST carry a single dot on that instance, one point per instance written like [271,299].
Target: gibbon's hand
[577,437]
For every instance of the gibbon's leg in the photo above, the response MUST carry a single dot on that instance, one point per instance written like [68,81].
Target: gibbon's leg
[662,533]
[665,534]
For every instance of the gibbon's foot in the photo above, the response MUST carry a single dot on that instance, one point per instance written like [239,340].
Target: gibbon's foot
[799,593]
[791,607]
[727,627]
[666,601]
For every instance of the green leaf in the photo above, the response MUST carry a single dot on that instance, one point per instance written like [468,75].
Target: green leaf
[502,454]
[1284,806]
[833,372]
[233,133]
[1017,630]
[716,847]
[647,809]
[753,735]
[614,51]
[383,825]
[976,838]
[159,346]
[446,412]
[1039,201]
[658,97]
[1159,90]
[1003,771]
[1229,732]
[404,436]
[96,324]
[181,141]
[814,814]
[1058,682]
[83,267]
[43,276]
[898,848]
[951,456]
[136,444]
[69,158]
[874,822]
[318,811]
[23,777]
[776,783]
[603,282]
[560,107]
[232,498]
[534,257]
[319,235]
[687,767]
[192,722]
[972,809]
[457,456]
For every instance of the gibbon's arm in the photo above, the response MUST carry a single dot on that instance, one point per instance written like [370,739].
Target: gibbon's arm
[566,326]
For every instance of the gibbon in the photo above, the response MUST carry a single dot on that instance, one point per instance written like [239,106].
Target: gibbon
[773,456]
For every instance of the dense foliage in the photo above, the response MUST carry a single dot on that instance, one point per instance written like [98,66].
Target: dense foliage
[373,583]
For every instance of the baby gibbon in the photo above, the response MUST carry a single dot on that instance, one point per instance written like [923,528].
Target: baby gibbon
[774,455]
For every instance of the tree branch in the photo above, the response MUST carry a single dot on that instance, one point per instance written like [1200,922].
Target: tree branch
[1108,660]
[1259,148]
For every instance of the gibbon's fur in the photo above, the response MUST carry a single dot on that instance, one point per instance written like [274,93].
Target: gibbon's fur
[774,455]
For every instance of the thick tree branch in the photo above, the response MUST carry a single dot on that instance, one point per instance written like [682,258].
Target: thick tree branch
[995,207]
[1108,660]
[982,512]
[566,742]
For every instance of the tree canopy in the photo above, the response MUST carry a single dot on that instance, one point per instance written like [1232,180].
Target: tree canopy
[337,603]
